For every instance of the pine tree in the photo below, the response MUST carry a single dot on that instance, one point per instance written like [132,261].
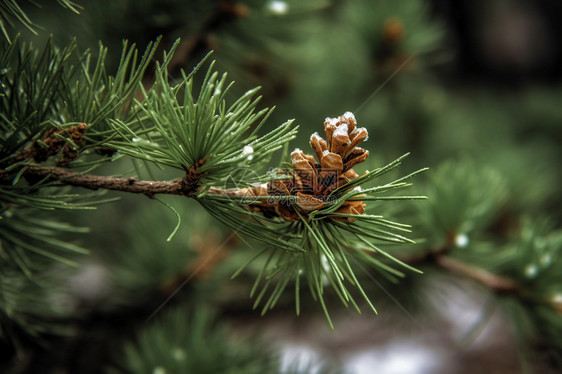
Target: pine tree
[145,194]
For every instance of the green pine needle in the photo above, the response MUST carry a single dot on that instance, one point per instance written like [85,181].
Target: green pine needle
[326,248]
[173,127]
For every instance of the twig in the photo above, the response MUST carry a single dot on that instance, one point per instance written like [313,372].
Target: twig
[186,186]
[189,184]
[494,282]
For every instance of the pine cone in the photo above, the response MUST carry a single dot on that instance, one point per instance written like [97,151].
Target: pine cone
[313,181]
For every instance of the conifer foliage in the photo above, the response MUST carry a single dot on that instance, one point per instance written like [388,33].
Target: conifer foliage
[90,131]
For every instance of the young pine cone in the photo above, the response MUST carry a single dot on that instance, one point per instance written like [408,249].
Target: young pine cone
[311,181]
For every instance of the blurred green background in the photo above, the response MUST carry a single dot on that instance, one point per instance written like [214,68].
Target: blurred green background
[471,88]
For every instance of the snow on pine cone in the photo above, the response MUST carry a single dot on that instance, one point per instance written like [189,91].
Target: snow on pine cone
[312,180]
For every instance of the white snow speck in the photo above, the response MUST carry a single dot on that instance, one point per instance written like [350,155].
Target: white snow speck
[278,7]
[461,240]
[248,150]
[314,136]
[332,121]
[361,129]
[358,189]
[295,155]
[349,115]
[531,270]
[142,141]
[341,130]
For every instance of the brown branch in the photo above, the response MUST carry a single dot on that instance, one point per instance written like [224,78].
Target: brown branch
[186,186]
[189,184]
[494,282]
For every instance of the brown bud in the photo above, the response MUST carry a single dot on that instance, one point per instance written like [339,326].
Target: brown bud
[356,137]
[301,162]
[286,212]
[309,158]
[280,186]
[330,126]
[318,145]
[337,184]
[393,30]
[348,118]
[349,175]
[304,167]
[304,170]
[308,203]
[331,161]
[298,184]
[350,207]
[357,156]
[340,139]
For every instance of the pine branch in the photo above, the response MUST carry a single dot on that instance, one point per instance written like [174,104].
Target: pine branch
[12,14]
[311,216]
[439,256]
[186,186]
[496,283]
